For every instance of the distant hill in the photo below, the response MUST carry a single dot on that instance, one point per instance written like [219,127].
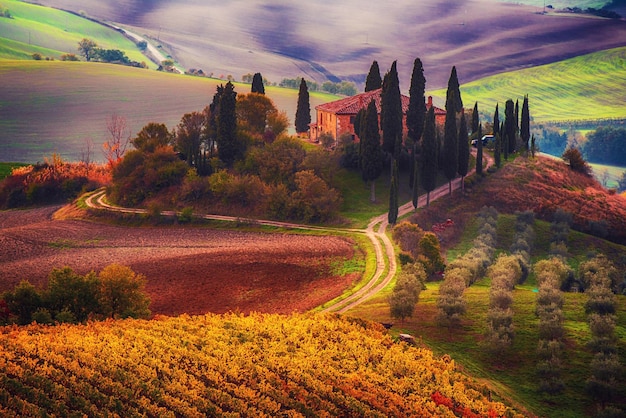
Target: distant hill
[59,107]
[588,87]
[53,33]
[322,40]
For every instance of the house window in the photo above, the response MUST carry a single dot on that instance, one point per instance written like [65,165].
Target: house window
[352,119]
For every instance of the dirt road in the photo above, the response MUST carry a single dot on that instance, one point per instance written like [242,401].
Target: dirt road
[375,231]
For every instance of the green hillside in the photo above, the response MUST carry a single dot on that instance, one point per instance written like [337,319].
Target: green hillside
[588,87]
[33,27]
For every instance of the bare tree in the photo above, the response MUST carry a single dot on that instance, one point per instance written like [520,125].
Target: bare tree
[118,138]
[86,154]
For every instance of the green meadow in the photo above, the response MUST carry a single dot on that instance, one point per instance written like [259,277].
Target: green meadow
[587,87]
[53,32]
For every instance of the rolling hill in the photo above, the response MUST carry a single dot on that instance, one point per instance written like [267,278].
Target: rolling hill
[588,87]
[53,33]
[322,40]
[58,107]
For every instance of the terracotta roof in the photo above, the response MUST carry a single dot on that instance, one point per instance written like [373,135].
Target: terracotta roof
[351,105]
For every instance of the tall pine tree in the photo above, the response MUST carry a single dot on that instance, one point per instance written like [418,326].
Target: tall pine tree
[228,146]
[373,80]
[497,150]
[479,150]
[416,115]
[371,154]
[391,113]
[257,84]
[429,155]
[496,121]
[525,124]
[453,88]
[475,121]
[303,110]
[392,216]
[450,138]
[464,150]
[510,125]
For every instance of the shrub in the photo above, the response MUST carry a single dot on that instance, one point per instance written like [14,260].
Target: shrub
[278,202]
[407,235]
[122,293]
[450,303]
[429,247]
[70,291]
[500,330]
[603,385]
[37,56]
[405,294]
[23,301]
[574,158]
[185,215]
[313,200]
[69,57]
[42,316]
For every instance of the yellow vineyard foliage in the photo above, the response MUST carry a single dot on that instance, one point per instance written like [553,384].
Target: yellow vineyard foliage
[230,365]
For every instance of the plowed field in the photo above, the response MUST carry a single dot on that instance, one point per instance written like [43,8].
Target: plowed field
[188,269]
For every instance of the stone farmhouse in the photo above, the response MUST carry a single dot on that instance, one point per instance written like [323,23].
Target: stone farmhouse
[337,118]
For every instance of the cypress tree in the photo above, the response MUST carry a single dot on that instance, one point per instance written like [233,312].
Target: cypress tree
[475,120]
[453,88]
[371,155]
[416,114]
[257,84]
[303,110]
[479,151]
[496,121]
[497,150]
[415,185]
[517,117]
[391,115]
[429,155]
[505,144]
[510,125]
[464,150]
[228,145]
[358,120]
[373,80]
[450,138]
[525,124]
[392,216]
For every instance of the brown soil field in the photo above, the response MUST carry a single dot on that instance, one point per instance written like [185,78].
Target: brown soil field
[188,269]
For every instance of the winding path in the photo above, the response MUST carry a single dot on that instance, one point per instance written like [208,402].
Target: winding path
[375,231]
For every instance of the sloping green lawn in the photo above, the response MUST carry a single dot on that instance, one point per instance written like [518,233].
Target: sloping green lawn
[32,27]
[591,86]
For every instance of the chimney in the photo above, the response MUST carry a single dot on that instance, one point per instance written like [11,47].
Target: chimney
[430,102]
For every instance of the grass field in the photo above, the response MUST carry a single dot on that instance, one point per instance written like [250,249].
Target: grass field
[514,374]
[54,106]
[33,27]
[591,86]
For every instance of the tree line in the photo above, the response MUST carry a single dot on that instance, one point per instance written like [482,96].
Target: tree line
[115,292]
[90,51]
